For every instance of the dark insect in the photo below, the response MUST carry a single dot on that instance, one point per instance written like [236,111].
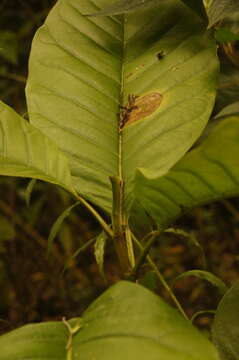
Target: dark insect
[160,55]
[126,110]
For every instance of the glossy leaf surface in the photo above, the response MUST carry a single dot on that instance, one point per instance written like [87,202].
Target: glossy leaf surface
[126,322]
[82,69]
[205,174]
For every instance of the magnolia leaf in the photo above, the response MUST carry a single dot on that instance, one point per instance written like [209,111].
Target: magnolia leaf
[207,173]
[225,329]
[126,322]
[26,152]
[82,69]
[220,9]
[205,275]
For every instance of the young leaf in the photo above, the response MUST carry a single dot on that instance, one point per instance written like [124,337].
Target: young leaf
[220,9]
[26,152]
[229,110]
[83,68]
[205,275]
[223,35]
[191,239]
[28,191]
[57,224]
[225,329]
[126,322]
[207,173]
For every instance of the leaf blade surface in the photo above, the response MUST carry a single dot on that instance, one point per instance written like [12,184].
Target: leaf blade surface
[26,152]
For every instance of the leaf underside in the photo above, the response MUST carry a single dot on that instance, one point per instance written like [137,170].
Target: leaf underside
[207,173]
[26,152]
[82,69]
[126,322]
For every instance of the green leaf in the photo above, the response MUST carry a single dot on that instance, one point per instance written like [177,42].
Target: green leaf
[205,275]
[99,251]
[220,9]
[197,6]
[191,239]
[26,152]
[57,224]
[207,173]
[229,110]
[28,191]
[223,35]
[126,322]
[225,329]
[82,69]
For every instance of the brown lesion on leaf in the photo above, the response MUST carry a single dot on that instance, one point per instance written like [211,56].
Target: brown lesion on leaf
[139,107]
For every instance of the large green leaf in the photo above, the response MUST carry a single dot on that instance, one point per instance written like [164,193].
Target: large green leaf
[225,330]
[83,68]
[205,174]
[26,152]
[126,322]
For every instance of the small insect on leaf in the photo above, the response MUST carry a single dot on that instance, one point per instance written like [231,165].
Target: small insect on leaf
[160,55]
[143,107]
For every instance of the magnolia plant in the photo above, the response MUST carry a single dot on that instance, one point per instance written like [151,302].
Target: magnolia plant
[115,104]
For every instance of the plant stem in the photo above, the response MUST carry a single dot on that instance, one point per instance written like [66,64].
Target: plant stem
[161,278]
[152,237]
[100,220]
[119,224]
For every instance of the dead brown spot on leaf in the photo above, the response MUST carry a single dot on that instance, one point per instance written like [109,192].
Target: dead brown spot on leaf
[144,106]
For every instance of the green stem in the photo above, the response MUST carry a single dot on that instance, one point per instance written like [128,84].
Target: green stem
[161,278]
[119,224]
[152,237]
[100,220]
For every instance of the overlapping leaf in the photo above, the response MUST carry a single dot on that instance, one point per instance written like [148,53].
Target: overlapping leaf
[126,322]
[220,9]
[225,330]
[205,174]
[83,68]
[26,152]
